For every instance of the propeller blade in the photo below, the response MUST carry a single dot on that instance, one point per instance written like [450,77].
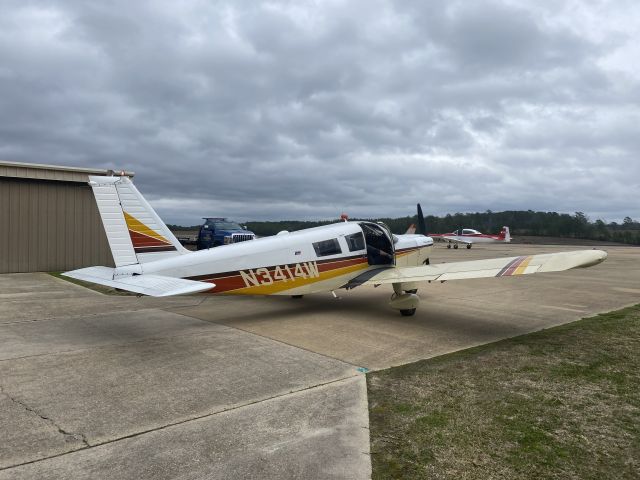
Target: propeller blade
[422,227]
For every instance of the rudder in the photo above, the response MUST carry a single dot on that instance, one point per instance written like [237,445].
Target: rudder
[136,234]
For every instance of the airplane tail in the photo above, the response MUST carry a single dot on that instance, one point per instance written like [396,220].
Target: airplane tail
[136,234]
[505,235]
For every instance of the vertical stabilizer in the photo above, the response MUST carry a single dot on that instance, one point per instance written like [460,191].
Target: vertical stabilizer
[136,234]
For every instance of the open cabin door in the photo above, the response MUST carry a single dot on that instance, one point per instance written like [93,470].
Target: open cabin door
[380,250]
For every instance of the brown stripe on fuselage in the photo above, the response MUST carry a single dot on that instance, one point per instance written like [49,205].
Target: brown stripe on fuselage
[229,281]
[404,251]
[322,266]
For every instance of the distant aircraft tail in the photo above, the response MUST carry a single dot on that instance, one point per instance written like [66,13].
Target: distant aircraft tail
[136,234]
[505,235]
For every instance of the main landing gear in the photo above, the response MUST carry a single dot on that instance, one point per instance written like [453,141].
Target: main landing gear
[455,245]
[404,298]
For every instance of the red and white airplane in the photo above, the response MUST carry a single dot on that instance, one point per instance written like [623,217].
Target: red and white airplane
[469,236]
[149,260]
[464,236]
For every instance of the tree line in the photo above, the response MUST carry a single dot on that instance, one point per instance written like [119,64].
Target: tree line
[520,222]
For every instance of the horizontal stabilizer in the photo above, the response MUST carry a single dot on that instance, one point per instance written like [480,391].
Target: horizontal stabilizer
[496,267]
[153,285]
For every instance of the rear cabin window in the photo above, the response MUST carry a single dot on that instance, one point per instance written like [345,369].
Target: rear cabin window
[355,242]
[327,247]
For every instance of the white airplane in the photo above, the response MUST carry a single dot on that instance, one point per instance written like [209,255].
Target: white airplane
[149,260]
[464,236]
[469,236]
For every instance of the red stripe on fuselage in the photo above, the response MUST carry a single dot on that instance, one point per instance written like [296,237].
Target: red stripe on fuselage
[226,281]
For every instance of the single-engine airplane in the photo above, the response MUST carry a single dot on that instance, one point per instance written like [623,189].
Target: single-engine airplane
[149,259]
[464,236]
[469,236]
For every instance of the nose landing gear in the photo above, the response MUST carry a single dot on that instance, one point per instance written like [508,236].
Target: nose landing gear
[404,299]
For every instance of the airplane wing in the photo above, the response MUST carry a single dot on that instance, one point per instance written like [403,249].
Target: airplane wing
[452,239]
[153,285]
[496,267]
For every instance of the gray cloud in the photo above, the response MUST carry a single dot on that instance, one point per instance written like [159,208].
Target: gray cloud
[304,110]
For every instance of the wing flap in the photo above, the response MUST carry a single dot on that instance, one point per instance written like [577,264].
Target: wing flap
[496,267]
[153,285]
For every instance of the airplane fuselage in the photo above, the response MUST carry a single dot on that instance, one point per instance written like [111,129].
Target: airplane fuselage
[294,263]
[470,236]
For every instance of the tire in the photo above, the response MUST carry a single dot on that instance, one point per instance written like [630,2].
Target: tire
[408,312]
[297,296]
[455,246]
[468,246]
[449,246]
[414,291]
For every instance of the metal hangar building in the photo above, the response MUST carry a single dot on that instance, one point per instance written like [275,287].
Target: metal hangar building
[49,219]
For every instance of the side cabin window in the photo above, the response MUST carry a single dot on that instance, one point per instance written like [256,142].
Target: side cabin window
[327,247]
[355,242]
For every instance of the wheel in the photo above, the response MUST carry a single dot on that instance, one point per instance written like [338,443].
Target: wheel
[449,245]
[455,246]
[414,291]
[408,312]
[297,296]
[468,246]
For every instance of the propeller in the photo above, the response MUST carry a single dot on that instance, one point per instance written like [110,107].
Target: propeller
[422,227]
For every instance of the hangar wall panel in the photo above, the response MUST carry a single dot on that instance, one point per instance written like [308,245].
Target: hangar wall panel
[49,226]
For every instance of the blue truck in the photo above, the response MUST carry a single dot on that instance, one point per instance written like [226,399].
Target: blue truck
[218,231]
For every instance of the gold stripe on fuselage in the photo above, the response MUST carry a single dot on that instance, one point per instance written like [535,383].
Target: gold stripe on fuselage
[270,286]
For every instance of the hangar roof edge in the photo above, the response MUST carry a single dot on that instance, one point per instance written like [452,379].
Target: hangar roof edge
[52,172]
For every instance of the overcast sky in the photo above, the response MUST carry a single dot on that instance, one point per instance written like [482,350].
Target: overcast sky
[283,110]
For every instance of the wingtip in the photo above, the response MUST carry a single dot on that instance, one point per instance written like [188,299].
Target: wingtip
[597,256]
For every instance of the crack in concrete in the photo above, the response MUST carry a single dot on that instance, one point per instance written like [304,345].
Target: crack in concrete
[171,424]
[76,436]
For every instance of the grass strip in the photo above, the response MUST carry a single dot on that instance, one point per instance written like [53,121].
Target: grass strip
[558,403]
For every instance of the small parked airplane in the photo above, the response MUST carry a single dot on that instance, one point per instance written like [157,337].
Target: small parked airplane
[469,236]
[465,236]
[149,260]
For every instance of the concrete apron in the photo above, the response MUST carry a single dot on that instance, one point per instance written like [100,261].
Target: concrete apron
[361,329]
[228,387]
[140,392]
